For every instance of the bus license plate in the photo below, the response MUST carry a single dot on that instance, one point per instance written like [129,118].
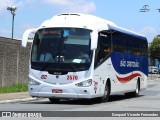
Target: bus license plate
[57,91]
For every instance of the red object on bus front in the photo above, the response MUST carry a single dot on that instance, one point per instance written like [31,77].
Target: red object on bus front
[57,91]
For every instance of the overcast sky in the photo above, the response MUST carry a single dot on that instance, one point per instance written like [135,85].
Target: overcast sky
[125,13]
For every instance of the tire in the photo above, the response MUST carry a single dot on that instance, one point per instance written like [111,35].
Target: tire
[54,100]
[134,93]
[106,94]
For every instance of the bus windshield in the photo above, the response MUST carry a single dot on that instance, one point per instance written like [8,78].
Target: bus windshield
[61,49]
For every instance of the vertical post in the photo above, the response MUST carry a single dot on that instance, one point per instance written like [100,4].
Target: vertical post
[12,9]
[12,25]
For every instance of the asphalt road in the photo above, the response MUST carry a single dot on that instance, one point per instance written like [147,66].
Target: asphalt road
[148,100]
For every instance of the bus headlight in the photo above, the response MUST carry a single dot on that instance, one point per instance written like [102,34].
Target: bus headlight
[85,83]
[33,82]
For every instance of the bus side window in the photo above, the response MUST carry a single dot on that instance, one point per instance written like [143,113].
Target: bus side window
[107,50]
[103,47]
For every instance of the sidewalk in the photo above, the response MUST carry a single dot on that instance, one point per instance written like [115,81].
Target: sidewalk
[19,96]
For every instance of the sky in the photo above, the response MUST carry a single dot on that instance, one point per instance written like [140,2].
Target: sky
[124,13]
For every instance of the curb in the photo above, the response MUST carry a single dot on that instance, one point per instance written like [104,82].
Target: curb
[18,100]
[16,97]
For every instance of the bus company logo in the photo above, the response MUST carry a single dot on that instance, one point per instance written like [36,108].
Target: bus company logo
[57,73]
[124,63]
[57,76]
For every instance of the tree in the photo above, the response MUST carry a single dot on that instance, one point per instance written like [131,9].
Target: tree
[155,48]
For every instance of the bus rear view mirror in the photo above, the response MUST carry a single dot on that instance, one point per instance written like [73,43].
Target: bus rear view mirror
[26,35]
[94,39]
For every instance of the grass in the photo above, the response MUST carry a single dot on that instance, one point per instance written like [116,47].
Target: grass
[20,87]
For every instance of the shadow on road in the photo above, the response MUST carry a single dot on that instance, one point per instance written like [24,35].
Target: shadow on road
[112,98]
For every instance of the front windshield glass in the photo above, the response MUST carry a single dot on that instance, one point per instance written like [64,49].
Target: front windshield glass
[61,47]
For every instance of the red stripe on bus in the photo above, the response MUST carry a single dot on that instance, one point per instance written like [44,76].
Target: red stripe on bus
[128,78]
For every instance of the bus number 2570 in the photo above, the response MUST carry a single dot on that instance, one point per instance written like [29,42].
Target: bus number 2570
[72,77]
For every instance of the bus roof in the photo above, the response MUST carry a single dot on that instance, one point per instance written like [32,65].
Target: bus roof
[85,20]
[125,31]
[77,20]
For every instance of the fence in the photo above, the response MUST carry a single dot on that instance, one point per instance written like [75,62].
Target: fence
[14,62]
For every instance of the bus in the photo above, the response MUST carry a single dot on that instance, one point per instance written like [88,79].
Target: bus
[81,56]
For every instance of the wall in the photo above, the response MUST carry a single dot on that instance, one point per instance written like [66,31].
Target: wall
[14,61]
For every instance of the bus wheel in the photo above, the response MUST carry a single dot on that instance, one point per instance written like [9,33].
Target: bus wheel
[136,92]
[105,97]
[54,100]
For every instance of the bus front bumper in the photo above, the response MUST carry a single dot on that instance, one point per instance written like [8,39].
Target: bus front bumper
[64,93]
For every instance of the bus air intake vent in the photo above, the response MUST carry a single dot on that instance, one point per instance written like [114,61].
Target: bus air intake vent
[69,14]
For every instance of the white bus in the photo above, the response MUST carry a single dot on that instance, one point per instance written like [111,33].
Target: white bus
[80,56]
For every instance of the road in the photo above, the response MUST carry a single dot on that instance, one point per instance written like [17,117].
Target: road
[148,100]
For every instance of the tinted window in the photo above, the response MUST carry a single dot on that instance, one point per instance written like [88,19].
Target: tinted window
[103,47]
[63,46]
[129,44]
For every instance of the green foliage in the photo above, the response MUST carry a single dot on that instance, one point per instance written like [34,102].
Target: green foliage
[20,87]
[155,48]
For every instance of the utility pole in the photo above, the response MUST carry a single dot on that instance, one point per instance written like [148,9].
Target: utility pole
[13,12]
